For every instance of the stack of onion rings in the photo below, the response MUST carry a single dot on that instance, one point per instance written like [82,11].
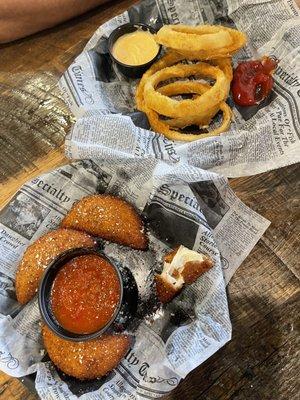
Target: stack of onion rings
[182,63]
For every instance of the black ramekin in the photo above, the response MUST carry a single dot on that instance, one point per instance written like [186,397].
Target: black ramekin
[131,71]
[123,314]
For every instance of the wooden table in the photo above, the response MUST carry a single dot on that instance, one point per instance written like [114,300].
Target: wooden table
[262,360]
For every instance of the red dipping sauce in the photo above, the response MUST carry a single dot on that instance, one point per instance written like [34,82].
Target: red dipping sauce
[252,81]
[85,294]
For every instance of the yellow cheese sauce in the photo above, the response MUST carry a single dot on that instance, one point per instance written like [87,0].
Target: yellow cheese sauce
[135,48]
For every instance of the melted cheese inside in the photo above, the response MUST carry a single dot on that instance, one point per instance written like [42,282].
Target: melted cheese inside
[135,48]
[176,267]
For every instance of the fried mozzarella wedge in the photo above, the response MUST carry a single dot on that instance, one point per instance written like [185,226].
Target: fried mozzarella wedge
[110,218]
[181,266]
[89,359]
[40,253]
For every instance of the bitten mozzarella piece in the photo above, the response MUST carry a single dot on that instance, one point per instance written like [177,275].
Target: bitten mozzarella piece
[181,267]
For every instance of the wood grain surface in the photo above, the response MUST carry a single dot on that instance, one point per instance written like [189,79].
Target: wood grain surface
[262,360]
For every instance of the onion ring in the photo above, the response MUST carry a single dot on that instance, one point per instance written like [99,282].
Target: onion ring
[193,38]
[203,42]
[167,60]
[188,87]
[172,58]
[162,127]
[173,108]
[225,65]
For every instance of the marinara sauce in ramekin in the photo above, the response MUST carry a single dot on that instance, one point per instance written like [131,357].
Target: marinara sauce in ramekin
[84,294]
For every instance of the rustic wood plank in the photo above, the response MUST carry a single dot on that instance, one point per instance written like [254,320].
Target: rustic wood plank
[12,389]
[43,164]
[275,195]
[33,120]
[33,116]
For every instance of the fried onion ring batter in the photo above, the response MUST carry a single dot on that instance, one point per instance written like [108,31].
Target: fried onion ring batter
[174,108]
[204,42]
